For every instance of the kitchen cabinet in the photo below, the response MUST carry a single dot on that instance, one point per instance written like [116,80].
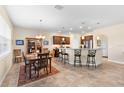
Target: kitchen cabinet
[59,39]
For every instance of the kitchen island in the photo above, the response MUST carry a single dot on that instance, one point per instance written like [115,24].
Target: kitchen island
[84,52]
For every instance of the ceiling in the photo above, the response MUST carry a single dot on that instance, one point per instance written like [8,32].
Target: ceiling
[66,18]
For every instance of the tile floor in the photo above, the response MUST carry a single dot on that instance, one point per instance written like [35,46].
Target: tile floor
[107,74]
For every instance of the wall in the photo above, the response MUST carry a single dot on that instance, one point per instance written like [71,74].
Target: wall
[112,37]
[75,40]
[22,33]
[5,60]
[115,35]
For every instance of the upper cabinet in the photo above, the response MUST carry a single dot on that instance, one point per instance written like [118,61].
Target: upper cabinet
[56,40]
[61,39]
[67,40]
[87,41]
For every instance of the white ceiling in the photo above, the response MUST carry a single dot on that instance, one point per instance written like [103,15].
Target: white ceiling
[71,16]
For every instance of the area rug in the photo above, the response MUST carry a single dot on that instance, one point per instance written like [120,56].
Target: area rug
[24,80]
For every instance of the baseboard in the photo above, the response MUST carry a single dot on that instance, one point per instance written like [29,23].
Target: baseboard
[5,75]
[119,62]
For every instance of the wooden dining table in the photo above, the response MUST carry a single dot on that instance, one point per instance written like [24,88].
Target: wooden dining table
[32,58]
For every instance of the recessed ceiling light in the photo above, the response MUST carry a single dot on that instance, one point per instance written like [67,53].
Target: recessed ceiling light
[82,31]
[81,27]
[69,32]
[70,28]
[59,31]
[89,27]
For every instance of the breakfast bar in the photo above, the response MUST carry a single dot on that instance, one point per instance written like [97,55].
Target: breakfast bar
[84,53]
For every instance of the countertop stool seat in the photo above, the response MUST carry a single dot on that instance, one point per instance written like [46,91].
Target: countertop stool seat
[77,57]
[65,56]
[91,58]
[60,55]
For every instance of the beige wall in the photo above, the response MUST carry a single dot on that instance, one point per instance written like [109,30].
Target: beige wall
[22,33]
[113,37]
[6,60]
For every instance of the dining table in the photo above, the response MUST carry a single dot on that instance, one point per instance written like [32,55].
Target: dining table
[33,58]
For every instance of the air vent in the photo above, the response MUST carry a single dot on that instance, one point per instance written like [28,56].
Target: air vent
[83,23]
[58,7]
[98,23]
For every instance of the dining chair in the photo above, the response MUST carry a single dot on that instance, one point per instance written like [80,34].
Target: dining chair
[43,62]
[25,61]
[17,55]
[45,50]
[27,64]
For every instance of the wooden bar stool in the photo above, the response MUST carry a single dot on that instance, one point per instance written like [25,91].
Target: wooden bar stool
[77,56]
[91,58]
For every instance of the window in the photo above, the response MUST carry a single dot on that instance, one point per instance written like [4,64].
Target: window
[5,37]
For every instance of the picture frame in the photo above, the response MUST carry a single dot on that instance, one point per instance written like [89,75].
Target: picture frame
[19,42]
[45,42]
[98,42]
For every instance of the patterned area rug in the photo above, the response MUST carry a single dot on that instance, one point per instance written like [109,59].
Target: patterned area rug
[23,79]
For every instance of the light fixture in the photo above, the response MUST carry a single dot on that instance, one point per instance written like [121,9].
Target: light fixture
[82,37]
[63,39]
[38,36]
[59,31]
[88,27]
[81,27]
[70,28]
[37,51]
[97,38]
[43,37]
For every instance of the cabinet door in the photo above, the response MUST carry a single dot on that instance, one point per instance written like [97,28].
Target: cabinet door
[88,41]
[56,40]
[67,40]
[81,40]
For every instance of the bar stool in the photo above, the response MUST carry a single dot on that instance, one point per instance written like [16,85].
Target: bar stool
[60,55]
[91,58]
[77,56]
[65,56]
